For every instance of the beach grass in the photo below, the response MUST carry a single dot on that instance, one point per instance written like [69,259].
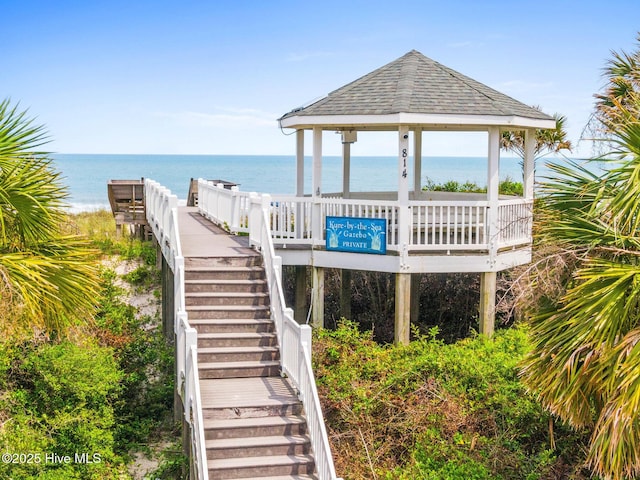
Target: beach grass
[97,225]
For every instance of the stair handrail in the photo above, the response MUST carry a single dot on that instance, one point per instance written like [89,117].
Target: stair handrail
[224,207]
[162,216]
[294,339]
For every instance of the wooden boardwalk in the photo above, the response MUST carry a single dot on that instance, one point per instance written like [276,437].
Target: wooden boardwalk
[202,239]
[254,421]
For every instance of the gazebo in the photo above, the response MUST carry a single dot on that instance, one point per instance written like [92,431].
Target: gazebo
[421,231]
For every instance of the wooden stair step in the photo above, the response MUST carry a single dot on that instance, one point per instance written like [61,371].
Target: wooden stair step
[255,426]
[225,281]
[256,441]
[251,393]
[255,467]
[237,354]
[242,369]
[224,308]
[197,312]
[226,294]
[225,285]
[229,339]
[239,349]
[195,262]
[290,477]
[225,299]
[257,446]
[232,325]
[224,272]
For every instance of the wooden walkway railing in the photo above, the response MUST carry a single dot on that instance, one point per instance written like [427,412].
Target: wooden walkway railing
[431,226]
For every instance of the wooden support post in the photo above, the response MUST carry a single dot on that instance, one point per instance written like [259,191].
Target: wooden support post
[301,304]
[168,303]
[403,308]
[186,446]
[159,256]
[345,294]
[415,297]
[487,303]
[317,297]
[119,222]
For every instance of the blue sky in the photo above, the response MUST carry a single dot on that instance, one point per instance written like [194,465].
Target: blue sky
[212,77]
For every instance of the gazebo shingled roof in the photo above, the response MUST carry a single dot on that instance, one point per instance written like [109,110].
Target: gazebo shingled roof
[415,84]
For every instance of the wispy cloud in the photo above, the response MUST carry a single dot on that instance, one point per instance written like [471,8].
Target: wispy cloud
[224,117]
[302,56]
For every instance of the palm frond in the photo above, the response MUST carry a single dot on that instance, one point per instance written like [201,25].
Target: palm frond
[56,285]
[48,276]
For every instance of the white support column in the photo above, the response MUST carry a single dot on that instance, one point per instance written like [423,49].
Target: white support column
[529,163]
[404,226]
[316,173]
[316,185]
[493,181]
[300,163]
[417,160]
[346,169]
[299,220]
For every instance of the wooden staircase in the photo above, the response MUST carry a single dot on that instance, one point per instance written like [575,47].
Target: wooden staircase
[254,422]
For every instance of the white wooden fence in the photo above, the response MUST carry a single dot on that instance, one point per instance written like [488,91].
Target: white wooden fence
[431,225]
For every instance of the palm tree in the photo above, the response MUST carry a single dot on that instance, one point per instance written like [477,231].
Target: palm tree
[623,75]
[585,330]
[46,279]
[547,141]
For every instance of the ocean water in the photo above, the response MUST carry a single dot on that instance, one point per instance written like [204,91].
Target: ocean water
[86,176]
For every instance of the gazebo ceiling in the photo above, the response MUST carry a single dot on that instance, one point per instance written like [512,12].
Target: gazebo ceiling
[419,92]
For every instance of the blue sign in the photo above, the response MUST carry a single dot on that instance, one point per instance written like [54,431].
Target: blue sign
[359,235]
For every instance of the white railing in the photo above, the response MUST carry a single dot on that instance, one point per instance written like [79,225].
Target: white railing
[294,339]
[454,225]
[515,221]
[162,216]
[224,207]
[290,219]
[434,224]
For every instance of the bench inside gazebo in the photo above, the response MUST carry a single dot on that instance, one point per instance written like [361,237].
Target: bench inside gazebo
[407,231]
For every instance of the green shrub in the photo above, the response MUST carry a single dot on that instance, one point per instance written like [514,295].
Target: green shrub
[510,187]
[143,276]
[435,410]
[506,187]
[105,394]
[146,361]
[61,402]
[67,376]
